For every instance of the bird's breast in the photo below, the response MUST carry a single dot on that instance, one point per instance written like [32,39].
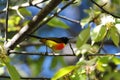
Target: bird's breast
[59,46]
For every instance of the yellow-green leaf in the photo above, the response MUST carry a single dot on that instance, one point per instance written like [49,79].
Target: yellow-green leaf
[12,71]
[24,12]
[116,60]
[83,37]
[98,33]
[114,36]
[56,22]
[62,72]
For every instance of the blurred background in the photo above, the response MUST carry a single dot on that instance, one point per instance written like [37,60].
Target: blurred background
[45,66]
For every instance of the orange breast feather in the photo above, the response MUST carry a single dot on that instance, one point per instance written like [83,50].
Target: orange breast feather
[59,46]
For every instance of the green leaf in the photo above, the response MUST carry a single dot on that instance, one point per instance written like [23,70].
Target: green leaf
[24,12]
[62,61]
[62,72]
[111,75]
[57,60]
[17,20]
[79,74]
[114,36]
[83,49]
[83,37]
[104,60]
[5,59]
[55,22]
[116,60]
[54,62]
[117,21]
[117,2]
[84,21]
[36,65]
[102,63]
[98,33]
[13,72]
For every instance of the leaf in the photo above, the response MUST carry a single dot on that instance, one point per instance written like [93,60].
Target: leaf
[84,21]
[117,2]
[98,33]
[36,65]
[83,37]
[62,72]
[116,60]
[55,22]
[83,49]
[5,59]
[54,62]
[118,28]
[62,61]
[102,63]
[57,60]
[17,20]
[77,2]
[13,72]
[24,12]
[114,36]
[112,75]
[117,21]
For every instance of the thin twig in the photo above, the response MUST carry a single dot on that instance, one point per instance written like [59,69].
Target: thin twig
[51,54]
[68,19]
[38,43]
[71,48]
[19,14]
[37,78]
[38,53]
[105,54]
[62,17]
[105,11]
[6,23]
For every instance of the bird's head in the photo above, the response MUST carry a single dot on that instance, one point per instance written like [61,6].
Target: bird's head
[65,39]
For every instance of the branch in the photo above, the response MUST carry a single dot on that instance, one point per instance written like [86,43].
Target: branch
[38,53]
[63,17]
[34,3]
[32,25]
[69,19]
[51,54]
[105,54]
[27,4]
[53,15]
[25,44]
[105,11]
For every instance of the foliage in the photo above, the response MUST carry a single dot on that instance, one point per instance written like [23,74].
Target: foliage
[105,29]
[5,61]
[101,26]
[55,22]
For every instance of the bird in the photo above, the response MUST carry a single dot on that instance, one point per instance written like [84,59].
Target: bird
[56,44]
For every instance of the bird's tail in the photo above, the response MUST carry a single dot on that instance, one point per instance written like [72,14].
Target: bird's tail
[34,36]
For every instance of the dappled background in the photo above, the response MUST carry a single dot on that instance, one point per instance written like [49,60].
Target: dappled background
[81,22]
